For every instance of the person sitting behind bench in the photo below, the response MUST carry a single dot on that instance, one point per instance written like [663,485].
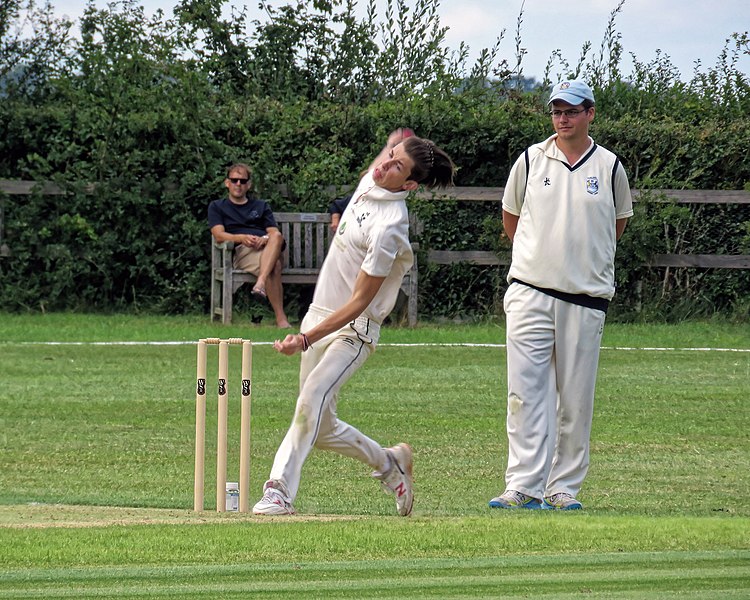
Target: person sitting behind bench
[250,224]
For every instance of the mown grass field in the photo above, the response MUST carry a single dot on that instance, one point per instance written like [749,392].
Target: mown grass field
[96,461]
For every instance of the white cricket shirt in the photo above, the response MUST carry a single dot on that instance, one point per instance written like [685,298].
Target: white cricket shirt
[566,239]
[373,236]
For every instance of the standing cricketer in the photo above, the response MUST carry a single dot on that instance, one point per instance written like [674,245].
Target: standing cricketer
[565,205]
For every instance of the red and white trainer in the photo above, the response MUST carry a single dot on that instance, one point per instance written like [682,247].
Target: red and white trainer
[398,481]
[274,501]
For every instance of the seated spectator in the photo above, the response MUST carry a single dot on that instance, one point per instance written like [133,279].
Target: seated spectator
[250,224]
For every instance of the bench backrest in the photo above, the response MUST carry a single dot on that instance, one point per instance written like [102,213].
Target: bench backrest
[307,236]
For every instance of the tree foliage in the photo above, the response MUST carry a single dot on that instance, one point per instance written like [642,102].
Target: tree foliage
[137,118]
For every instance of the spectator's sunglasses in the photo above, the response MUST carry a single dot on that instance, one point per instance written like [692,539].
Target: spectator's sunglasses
[240,180]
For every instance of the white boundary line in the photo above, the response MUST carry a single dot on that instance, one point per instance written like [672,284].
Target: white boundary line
[403,345]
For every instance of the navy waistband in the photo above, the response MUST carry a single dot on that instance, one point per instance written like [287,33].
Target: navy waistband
[585,300]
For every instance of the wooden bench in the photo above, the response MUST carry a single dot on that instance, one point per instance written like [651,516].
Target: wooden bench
[308,236]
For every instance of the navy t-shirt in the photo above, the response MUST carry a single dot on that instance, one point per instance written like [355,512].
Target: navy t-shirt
[253,217]
[339,205]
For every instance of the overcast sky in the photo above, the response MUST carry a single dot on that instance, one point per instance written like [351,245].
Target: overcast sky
[685,30]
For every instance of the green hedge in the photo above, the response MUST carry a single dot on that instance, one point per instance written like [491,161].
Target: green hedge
[150,113]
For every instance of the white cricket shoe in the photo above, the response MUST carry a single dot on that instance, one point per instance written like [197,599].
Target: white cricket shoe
[398,481]
[561,501]
[515,499]
[273,502]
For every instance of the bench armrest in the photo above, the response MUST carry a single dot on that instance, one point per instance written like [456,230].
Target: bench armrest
[223,245]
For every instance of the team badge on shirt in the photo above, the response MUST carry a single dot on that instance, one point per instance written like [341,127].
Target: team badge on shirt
[592,185]
[342,228]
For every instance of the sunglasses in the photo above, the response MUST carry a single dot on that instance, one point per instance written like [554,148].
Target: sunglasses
[240,180]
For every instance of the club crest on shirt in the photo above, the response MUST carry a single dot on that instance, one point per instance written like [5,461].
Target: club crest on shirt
[341,228]
[592,185]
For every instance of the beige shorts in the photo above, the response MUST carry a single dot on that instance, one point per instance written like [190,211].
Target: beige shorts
[247,259]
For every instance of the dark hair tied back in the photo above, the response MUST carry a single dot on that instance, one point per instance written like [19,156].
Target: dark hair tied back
[432,166]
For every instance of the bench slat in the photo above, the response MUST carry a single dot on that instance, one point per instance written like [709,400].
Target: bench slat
[308,246]
[321,243]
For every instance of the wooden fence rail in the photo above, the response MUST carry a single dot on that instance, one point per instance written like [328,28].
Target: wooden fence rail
[14,187]
[494,194]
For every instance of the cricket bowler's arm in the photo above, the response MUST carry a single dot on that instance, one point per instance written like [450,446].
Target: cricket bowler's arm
[365,289]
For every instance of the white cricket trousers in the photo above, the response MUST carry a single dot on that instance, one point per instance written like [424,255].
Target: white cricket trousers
[552,355]
[325,367]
